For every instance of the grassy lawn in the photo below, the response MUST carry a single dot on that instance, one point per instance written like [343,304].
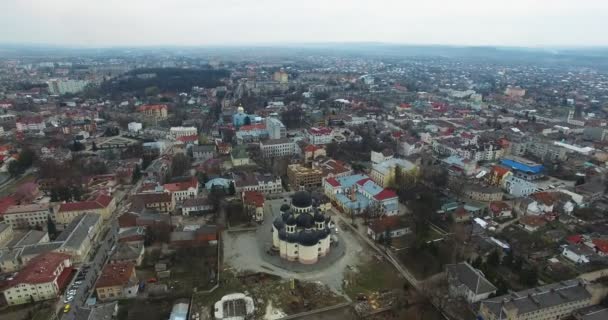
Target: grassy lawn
[372,277]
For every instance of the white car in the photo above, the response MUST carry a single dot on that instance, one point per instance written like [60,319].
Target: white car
[337,230]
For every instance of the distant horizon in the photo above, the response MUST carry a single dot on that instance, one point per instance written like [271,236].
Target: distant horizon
[228,23]
[293,45]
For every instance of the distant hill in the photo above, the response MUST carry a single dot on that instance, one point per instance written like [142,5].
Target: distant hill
[165,79]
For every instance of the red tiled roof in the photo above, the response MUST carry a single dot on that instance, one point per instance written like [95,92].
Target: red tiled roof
[601,245]
[253,198]
[40,269]
[115,274]
[575,239]
[31,120]
[544,197]
[500,170]
[312,148]
[182,185]
[533,221]
[6,202]
[385,223]
[363,181]
[320,131]
[385,194]
[499,206]
[102,201]
[191,138]
[152,107]
[252,127]
[333,182]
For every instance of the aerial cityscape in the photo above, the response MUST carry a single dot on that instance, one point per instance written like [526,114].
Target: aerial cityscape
[342,176]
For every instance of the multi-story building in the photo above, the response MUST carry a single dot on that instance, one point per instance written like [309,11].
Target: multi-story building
[383,173]
[276,129]
[102,204]
[42,278]
[302,176]
[311,152]
[264,183]
[154,111]
[203,152]
[177,132]
[477,152]
[78,236]
[518,187]
[117,281]
[59,87]
[468,282]
[239,156]
[30,124]
[384,155]
[28,215]
[6,233]
[183,190]
[253,202]
[135,126]
[319,135]
[358,193]
[281,76]
[277,148]
[553,301]
[157,201]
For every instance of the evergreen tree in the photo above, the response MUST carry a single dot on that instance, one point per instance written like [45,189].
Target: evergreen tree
[231,189]
[136,174]
[51,227]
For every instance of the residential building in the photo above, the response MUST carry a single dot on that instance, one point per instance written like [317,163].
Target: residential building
[482,193]
[276,129]
[61,87]
[182,190]
[201,236]
[102,204]
[333,168]
[518,187]
[30,124]
[42,278]
[500,209]
[468,282]
[553,301]
[301,176]
[203,152]
[383,173]
[135,127]
[196,206]
[579,254]
[311,152]
[155,111]
[239,156]
[79,236]
[390,226]
[128,252]
[117,281]
[379,157]
[253,201]
[277,148]
[6,233]
[157,201]
[28,215]
[356,193]
[177,132]
[319,135]
[253,181]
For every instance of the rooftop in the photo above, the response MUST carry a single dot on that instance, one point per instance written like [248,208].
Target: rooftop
[116,274]
[470,277]
[40,269]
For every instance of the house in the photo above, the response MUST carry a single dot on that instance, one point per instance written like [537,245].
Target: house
[132,252]
[157,201]
[196,206]
[253,201]
[553,301]
[42,278]
[532,223]
[358,193]
[461,215]
[117,281]
[311,152]
[155,112]
[102,204]
[579,254]
[29,215]
[482,193]
[182,190]
[239,156]
[30,124]
[202,236]
[391,226]
[319,135]
[500,209]
[203,152]
[468,282]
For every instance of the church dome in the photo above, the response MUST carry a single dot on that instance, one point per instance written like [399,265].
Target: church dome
[284,207]
[279,223]
[240,109]
[301,199]
[290,220]
[319,217]
[308,238]
[305,220]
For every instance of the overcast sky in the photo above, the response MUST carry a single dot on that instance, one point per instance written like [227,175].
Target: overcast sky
[218,22]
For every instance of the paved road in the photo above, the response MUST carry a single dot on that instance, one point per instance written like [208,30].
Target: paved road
[98,257]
